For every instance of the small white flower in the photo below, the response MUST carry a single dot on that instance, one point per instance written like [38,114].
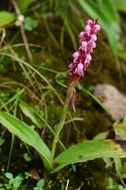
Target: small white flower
[20,20]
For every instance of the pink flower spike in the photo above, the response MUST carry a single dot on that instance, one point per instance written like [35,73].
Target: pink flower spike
[81,58]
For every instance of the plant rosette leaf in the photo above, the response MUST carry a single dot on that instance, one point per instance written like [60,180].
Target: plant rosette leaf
[90,150]
[27,135]
[6,18]
[36,117]
[32,114]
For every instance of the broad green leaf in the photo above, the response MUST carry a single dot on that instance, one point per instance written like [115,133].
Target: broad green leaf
[27,135]
[89,150]
[120,130]
[37,118]
[6,18]
[23,5]
[32,114]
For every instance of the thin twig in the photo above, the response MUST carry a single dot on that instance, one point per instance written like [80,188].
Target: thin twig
[74,119]
[2,37]
[25,42]
[24,37]
[30,44]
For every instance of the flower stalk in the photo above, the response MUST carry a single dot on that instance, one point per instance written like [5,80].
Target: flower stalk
[77,68]
[58,129]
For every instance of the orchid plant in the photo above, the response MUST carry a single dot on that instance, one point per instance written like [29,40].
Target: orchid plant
[82,152]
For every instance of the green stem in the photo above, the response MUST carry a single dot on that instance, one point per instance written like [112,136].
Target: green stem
[60,125]
[58,129]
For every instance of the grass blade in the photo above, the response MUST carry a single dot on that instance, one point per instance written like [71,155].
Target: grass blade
[110,24]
